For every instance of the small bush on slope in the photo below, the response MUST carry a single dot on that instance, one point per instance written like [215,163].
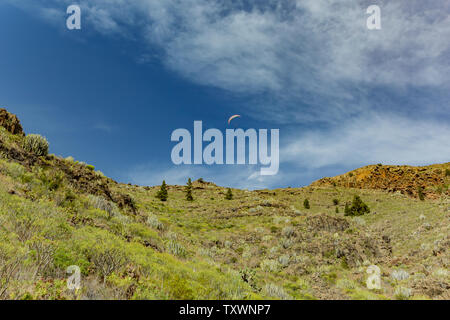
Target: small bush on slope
[36,144]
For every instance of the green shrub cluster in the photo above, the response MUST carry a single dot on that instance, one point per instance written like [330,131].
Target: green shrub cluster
[36,144]
[358,207]
[306,204]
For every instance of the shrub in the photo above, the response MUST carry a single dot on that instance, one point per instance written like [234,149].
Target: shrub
[337,210]
[399,275]
[420,193]
[153,222]
[358,207]
[162,193]
[36,144]
[335,202]
[287,243]
[176,249]
[90,167]
[288,232]
[108,260]
[402,293]
[229,195]
[52,180]
[347,209]
[105,205]
[276,292]
[270,265]
[447,172]
[284,260]
[306,204]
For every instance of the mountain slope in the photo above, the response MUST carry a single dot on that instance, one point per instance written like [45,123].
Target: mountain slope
[57,212]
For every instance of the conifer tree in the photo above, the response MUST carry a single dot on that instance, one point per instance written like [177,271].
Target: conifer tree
[358,207]
[229,195]
[162,193]
[189,196]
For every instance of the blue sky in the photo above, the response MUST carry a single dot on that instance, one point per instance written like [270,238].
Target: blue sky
[341,95]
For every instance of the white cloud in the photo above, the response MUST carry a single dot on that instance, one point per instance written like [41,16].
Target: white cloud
[388,139]
[310,59]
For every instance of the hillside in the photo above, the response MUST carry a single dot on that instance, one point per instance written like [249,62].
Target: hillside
[57,212]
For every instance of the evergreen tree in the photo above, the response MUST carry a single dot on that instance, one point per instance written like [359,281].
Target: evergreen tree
[229,195]
[337,209]
[189,196]
[162,193]
[306,204]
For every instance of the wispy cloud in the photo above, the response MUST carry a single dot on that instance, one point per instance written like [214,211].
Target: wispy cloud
[371,139]
[313,56]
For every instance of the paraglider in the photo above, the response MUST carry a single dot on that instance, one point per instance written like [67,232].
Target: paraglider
[233,117]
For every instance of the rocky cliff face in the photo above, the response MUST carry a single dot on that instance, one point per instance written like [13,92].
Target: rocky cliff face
[10,122]
[432,180]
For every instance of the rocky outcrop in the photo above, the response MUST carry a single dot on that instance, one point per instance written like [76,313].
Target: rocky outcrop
[10,122]
[431,180]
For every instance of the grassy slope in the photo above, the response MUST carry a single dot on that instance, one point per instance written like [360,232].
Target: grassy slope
[261,244]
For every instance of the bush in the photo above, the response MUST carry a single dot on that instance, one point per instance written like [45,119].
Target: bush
[36,144]
[105,205]
[447,172]
[108,260]
[335,202]
[268,265]
[420,193]
[176,249]
[288,232]
[402,293]
[153,222]
[306,204]
[358,207]
[276,292]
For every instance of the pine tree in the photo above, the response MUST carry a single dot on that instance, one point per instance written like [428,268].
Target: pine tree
[358,207]
[229,195]
[306,204]
[189,196]
[337,209]
[162,193]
